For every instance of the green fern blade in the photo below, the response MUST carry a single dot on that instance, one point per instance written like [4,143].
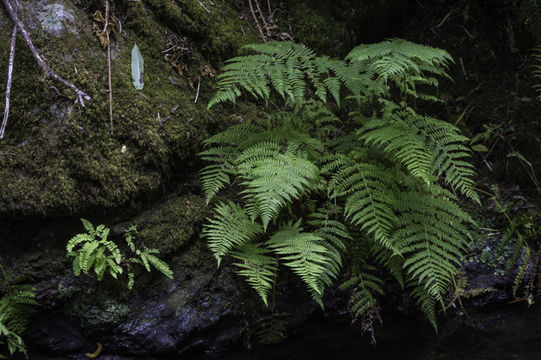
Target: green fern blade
[302,252]
[258,268]
[231,227]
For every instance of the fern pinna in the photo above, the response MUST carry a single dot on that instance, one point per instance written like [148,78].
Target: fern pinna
[377,190]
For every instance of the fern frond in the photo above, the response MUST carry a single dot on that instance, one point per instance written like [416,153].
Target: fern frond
[432,234]
[271,329]
[369,191]
[448,151]
[428,303]
[363,298]
[334,235]
[303,253]
[16,308]
[398,140]
[259,268]
[159,264]
[230,228]
[278,64]
[393,262]
[403,62]
[273,178]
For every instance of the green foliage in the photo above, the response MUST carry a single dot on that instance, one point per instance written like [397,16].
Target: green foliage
[93,250]
[16,306]
[291,68]
[532,12]
[137,68]
[312,191]
[271,329]
[519,243]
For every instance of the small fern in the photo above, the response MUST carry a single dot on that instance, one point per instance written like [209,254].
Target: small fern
[93,250]
[16,307]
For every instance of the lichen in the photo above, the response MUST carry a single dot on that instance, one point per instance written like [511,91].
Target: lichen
[53,16]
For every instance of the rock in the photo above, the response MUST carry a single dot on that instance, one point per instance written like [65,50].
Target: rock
[200,308]
[63,158]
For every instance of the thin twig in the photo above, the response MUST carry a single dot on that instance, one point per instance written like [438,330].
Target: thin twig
[175,47]
[198,87]
[81,95]
[255,19]
[106,30]
[466,31]
[445,18]
[10,77]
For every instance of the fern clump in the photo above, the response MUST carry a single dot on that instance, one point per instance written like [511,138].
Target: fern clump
[17,304]
[311,191]
[93,250]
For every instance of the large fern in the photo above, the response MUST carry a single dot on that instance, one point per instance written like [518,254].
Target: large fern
[377,190]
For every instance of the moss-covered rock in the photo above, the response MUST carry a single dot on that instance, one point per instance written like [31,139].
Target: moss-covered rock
[58,157]
[334,28]
[169,225]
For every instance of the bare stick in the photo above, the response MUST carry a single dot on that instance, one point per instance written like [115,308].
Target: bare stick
[463,68]
[106,30]
[262,18]
[198,86]
[10,77]
[81,95]
[255,19]
[200,3]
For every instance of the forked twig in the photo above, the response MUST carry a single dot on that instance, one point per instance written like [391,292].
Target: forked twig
[81,95]
[255,19]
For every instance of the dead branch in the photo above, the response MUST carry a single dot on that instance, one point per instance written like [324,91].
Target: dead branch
[255,19]
[262,18]
[81,95]
[10,77]
[106,31]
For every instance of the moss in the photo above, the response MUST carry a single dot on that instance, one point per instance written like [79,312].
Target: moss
[58,158]
[170,225]
[98,311]
[219,32]
[334,28]
[317,30]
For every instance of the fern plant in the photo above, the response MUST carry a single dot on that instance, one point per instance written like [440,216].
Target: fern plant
[377,190]
[93,250]
[17,304]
